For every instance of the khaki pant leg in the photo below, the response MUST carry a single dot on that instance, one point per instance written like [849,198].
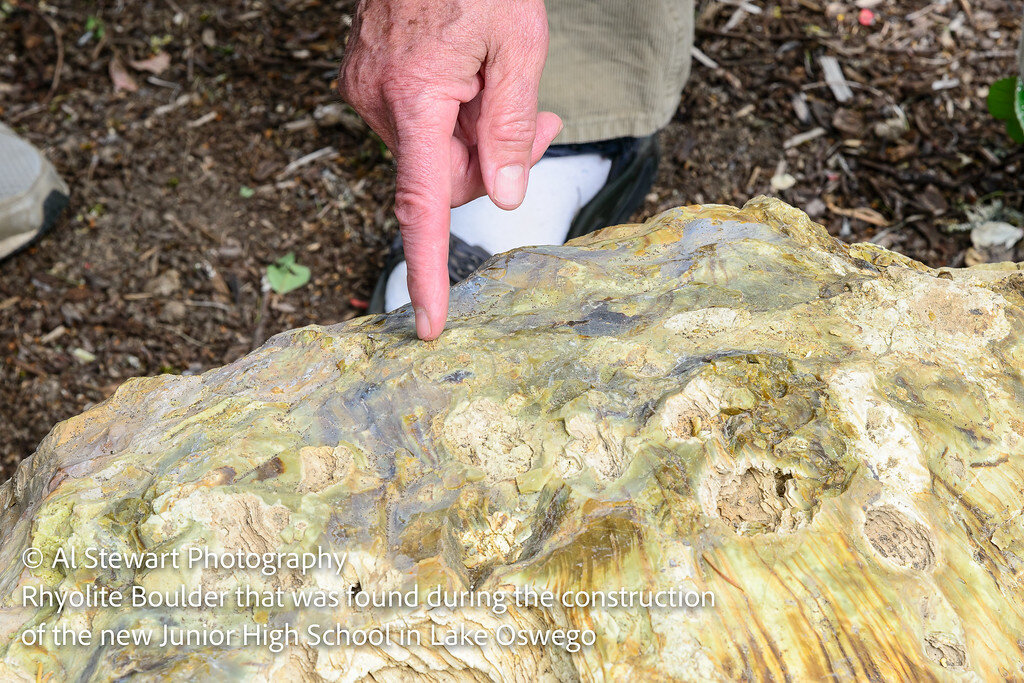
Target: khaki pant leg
[616,68]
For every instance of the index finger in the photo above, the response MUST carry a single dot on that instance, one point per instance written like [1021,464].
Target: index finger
[423,207]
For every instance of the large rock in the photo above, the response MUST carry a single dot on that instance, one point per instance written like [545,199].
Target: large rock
[823,440]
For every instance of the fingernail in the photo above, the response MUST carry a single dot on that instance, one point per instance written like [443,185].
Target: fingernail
[510,185]
[422,323]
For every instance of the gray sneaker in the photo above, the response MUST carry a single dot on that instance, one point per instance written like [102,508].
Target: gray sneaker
[32,195]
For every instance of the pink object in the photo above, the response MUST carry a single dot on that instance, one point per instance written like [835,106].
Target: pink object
[866,17]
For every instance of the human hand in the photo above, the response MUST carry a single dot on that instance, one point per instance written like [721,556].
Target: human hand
[451,88]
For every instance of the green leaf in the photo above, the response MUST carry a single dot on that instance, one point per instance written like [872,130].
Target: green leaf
[94,25]
[1015,130]
[1001,98]
[285,275]
[1018,107]
[246,192]
[1006,103]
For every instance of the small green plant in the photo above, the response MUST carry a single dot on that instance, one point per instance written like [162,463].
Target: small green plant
[94,26]
[157,43]
[1006,103]
[285,275]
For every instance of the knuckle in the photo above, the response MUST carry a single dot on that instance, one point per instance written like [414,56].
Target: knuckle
[532,24]
[345,83]
[351,82]
[393,91]
[401,91]
[412,209]
[512,130]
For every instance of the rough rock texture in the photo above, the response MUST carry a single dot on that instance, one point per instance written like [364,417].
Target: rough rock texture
[830,439]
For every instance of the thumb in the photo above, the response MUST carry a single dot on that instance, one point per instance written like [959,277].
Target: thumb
[507,125]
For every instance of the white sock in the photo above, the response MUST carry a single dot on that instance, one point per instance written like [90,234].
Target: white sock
[559,187]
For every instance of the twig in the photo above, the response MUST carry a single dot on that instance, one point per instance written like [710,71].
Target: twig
[699,55]
[912,178]
[801,138]
[945,84]
[258,335]
[745,6]
[717,68]
[181,101]
[175,330]
[59,39]
[853,85]
[737,18]
[736,36]
[34,109]
[307,159]
[968,11]
[28,367]
[210,304]
[869,216]
[202,120]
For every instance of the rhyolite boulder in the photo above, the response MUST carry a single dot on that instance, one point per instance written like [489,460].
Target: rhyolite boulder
[827,439]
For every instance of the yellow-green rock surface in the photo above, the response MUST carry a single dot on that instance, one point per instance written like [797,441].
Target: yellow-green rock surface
[826,439]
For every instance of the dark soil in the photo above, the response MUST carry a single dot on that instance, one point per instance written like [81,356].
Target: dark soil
[181,195]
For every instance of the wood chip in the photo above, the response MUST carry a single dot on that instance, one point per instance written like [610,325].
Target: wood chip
[869,216]
[735,20]
[170,85]
[848,122]
[945,84]
[801,138]
[202,120]
[742,4]
[53,335]
[181,101]
[299,124]
[753,179]
[835,78]
[968,11]
[800,108]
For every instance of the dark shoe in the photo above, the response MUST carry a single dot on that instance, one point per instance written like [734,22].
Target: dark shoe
[634,166]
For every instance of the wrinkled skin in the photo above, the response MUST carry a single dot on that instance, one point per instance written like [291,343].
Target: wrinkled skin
[451,87]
